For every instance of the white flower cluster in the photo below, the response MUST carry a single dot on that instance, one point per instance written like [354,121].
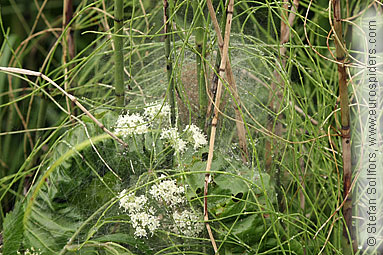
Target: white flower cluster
[32,251]
[195,136]
[131,202]
[187,223]
[157,109]
[167,191]
[176,142]
[198,137]
[141,215]
[129,124]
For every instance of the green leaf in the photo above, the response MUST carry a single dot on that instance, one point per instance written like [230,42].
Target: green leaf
[49,229]
[57,209]
[236,189]
[13,229]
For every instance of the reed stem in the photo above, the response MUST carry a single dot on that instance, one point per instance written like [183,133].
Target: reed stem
[348,241]
[214,82]
[222,71]
[240,122]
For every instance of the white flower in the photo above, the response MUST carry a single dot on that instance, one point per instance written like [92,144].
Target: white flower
[32,251]
[127,125]
[132,203]
[168,192]
[142,221]
[198,138]
[140,232]
[187,223]
[142,216]
[176,142]
[157,110]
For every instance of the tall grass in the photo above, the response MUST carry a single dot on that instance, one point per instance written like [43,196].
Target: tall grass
[276,101]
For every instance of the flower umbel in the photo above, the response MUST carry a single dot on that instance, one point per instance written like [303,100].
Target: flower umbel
[173,137]
[157,109]
[132,203]
[198,137]
[131,124]
[167,191]
[176,216]
[188,223]
[141,214]
[143,220]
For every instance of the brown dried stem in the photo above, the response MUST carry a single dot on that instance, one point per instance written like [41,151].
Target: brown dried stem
[230,79]
[222,71]
[348,234]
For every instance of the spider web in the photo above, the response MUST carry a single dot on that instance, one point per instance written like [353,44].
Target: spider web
[76,208]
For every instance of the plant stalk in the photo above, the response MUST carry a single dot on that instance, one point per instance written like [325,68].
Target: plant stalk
[68,47]
[200,56]
[349,241]
[169,64]
[119,53]
[222,70]
[214,82]
[241,132]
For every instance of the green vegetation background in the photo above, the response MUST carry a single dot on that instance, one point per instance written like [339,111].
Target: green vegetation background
[306,168]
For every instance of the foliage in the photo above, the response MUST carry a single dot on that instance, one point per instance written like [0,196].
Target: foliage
[61,175]
[13,230]
[75,205]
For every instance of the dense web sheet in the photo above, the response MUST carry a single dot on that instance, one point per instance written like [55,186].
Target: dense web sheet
[140,201]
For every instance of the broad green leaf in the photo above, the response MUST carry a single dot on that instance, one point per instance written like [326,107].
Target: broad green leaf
[13,229]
